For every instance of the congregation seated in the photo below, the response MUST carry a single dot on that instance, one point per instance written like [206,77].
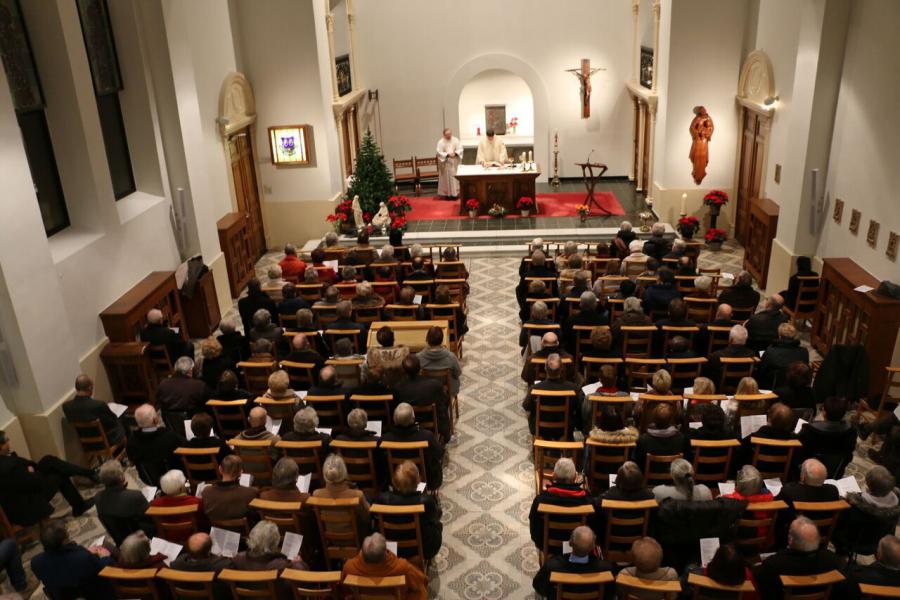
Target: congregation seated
[539,315]
[198,557]
[635,256]
[329,383]
[228,388]
[68,570]
[366,297]
[556,381]
[174,488]
[437,357]
[344,311]
[736,348]
[741,293]
[181,392]
[601,345]
[404,492]
[290,301]
[264,554]
[356,431]
[582,559]
[536,290]
[810,488]
[656,297]
[632,315]
[151,447]
[226,498]
[134,553]
[84,408]
[565,489]
[387,357]
[303,352]
[421,391]
[785,350]
[330,298]
[629,484]
[326,274]
[885,571]
[264,328]
[657,246]
[646,558]
[256,299]
[662,437]
[157,333]
[831,440]
[683,486]
[873,513]
[375,561]
[213,362]
[305,422]
[120,510]
[338,485]
[291,265]
[405,429]
[796,391]
[418,272]
[749,486]
[762,327]
[280,388]
[234,344]
[803,556]
[589,314]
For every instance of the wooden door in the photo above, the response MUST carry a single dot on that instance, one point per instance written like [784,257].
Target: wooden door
[753,146]
[243,170]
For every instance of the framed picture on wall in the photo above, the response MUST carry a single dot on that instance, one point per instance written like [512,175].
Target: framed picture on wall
[855,216]
[872,233]
[290,145]
[893,243]
[838,210]
[646,66]
[342,69]
[495,118]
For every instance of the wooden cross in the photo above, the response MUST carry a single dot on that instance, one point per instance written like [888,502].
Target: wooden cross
[584,74]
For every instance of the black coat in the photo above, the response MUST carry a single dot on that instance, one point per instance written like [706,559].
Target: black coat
[713,368]
[434,454]
[152,452]
[560,563]
[432,528]
[590,318]
[24,496]
[740,296]
[873,574]
[249,304]
[657,297]
[214,367]
[762,328]
[562,494]
[682,523]
[832,443]
[773,366]
[426,391]
[72,572]
[182,394]
[860,528]
[81,409]
[657,247]
[791,562]
[844,372]
[657,445]
[160,335]
[795,491]
[122,512]
[796,397]
[235,345]
[530,405]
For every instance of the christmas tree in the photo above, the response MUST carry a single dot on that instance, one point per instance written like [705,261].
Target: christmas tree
[372,181]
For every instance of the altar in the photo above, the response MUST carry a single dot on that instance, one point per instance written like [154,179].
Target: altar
[495,185]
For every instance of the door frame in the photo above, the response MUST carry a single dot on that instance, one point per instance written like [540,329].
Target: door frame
[764,120]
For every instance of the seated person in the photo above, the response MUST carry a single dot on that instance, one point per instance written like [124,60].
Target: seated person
[676,315]
[119,509]
[227,389]
[330,383]
[885,571]
[255,300]
[651,269]
[550,345]
[772,370]
[275,278]
[680,347]
[157,333]
[366,297]
[601,345]
[213,362]
[420,270]
[85,408]
[683,486]
[422,391]
[629,484]
[623,238]
[68,570]
[284,483]
[736,348]
[345,321]
[152,447]
[723,317]
[686,267]
[356,431]
[566,489]
[678,248]
[582,559]
[589,314]
[810,488]
[804,269]
[134,553]
[264,328]
[227,498]
[713,424]
[575,266]
[198,557]
[303,352]
[405,429]
[728,567]
[174,487]
[872,515]
[627,289]
[540,315]
[182,393]
[632,315]
[796,391]
[234,344]
[11,562]
[702,287]
[325,274]
[387,357]
[437,357]
[406,297]
[337,485]
[442,297]
[657,246]
[635,255]
[647,554]
[581,283]
[376,561]
[262,351]
[291,302]
[749,486]
[741,293]
[330,298]
[833,440]
[762,327]
[611,426]
[305,423]
[291,265]
[804,555]
[264,554]
[257,431]
[404,491]
[662,437]
[555,381]
[280,388]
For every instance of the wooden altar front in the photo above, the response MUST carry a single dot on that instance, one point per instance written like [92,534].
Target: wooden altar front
[495,185]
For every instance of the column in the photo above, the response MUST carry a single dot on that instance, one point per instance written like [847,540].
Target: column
[329,27]
[635,64]
[655,84]
[351,20]
[648,185]
[641,126]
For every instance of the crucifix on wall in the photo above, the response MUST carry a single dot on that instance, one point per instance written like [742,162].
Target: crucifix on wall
[584,74]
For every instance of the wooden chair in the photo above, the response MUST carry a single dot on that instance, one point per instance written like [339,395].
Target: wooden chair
[427,418]
[325,315]
[558,523]
[309,458]
[635,586]
[705,588]
[616,308]
[312,584]
[449,313]
[609,284]
[405,172]
[23,534]
[871,591]
[753,404]
[684,371]
[603,460]
[656,468]
[701,310]
[354,335]
[256,375]
[639,372]
[717,338]
[889,398]
[189,584]
[458,288]
[642,284]
[626,521]
[807,299]
[347,289]
[426,170]
[539,368]
[402,524]
[347,370]
[551,283]
[633,268]
[733,370]
[230,415]
[302,375]
[396,453]
[601,401]
[422,287]
[137,584]
[278,409]
[361,467]
[580,586]
[175,523]
[286,515]
[160,360]
[311,292]
[95,444]
[200,464]
[257,459]
[767,451]
[251,584]
[739,314]
[685,283]
[754,528]
[637,340]
[288,321]
[377,407]
[824,514]
[712,459]
[366,314]
[455,269]
[546,453]
[552,413]
[401,312]
[669,331]
[809,587]
[338,527]
[649,402]
[372,588]
[582,335]
[590,367]
[552,304]
[329,409]
[446,377]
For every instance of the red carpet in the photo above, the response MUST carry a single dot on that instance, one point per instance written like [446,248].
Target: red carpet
[562,204]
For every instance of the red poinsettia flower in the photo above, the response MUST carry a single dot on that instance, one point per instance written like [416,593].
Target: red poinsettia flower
[524,203]
[472,204]
[689,221]
[332,218]
[715,235]
[715,198]
[367,216]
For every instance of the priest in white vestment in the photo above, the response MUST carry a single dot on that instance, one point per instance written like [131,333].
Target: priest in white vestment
[449,155]
[491,151]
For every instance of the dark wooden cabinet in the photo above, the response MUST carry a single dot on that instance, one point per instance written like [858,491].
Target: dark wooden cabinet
[761,229]
[124,318]
[234,239]
[130,372]
[503,188]
[845,316]
[201,311]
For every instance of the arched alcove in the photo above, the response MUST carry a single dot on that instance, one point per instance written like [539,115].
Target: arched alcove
[496,87]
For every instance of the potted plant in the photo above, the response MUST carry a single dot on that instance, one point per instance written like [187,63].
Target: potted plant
[584,211]
[688,226]
[715,200]
[497,211]
[342,217]
[472,205]
[511,126]
[715,238]
[525,204]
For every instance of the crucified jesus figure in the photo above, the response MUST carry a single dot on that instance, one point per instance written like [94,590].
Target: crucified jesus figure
[584,74]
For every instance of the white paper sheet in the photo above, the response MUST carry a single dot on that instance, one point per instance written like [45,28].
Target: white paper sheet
[726,487]
[188,434]
[708,547]
[567,548]
[325,430]
[392,546]
[301,394]
[273,425]
[688,391]
[331,263]
[224,542]
[535,342]
[773,485]
[166,548]
[374,426]
[200,487]
[863,289]
[291,545]
[246,480]
[417,299]
[634,396]
[612,479]
[117,409]
[591,388]
[761,352]
[303,482]
[728,276]
[765,555]
[695,424]
[751,423]
[149,492]
[845,486]
[98,542]
[421,487]
[800,424]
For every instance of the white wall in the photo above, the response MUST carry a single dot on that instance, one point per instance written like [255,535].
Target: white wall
[410,59]
[864,171]
[495,87]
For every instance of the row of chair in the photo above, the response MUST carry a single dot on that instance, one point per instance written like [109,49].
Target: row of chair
[431,253]
[415,170]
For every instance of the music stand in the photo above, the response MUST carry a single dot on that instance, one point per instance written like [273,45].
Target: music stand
[590,181]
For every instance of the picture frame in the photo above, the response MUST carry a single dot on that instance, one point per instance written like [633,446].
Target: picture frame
[495,118]
[291,145]
[343,74]
[872,233]
[646,72]
[838,210]
[892,245]
[855,217]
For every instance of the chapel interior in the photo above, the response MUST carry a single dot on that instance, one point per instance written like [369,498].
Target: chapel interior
[412,299]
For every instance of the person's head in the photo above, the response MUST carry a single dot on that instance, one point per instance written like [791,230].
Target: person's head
[549,340]
[608,376]
[201,425]
[666,276]
[632,305]
[173,483]
[646,554]
[738,335]
[683,477]
[537,288]
[434,337]
[112,474]
[385,337]
[803,535]
[580,280]
[727,566]
[364,289]
[539,311]
[744,279]
[406,477]
[374,549]
[227,326]
[447,133]
[747,386]
[257,417]
[679,344]
[274,273]
[54,535]
[306,420]
[228,381]
[601,339]
[636,247]
[261,318]
[799,375]
[264,539]
[134,551]
[406,295]
[418,263]
[146,417]
[404,415]
[657,230]
[685,263]
[554,367]
[387,252]
[610,419]
[199,545]
[538,258]
[84,385]
[289,291]
[775,302]
[724,313]
[888,552]
[231,468]
[317,256]
[813,472]
[662,416]
[331,239]
[254,287]
[442,294]
[299,343]
[781,417]
[704,386]
[357,420]
[588,301]
[627,288]
[804,264]
[835,408]
[703,284]
[661,382]
[279,383]
[625,226]
[787,331]
[629,477]
[184,366]
[879,481]
[490,134]
[564,471]
[748,482]
[155,317]
[575,261]
[343,310]
[652,264]
[343,347]
[310,275]
[411,366]
[285,474]
[677,309]
[679,245]
[348,273]
[210,348]
[582,541]
[362,238]
[334,470]
[331,295]
[712,417]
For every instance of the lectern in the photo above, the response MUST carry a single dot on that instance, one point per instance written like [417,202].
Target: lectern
[590,181]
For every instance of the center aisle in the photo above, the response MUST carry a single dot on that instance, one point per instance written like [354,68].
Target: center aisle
[489,481]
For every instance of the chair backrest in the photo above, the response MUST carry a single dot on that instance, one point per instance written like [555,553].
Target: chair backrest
[754,527]
[447,312]
[553,409]
[609,284]
[638,587]
[870,591]
[21,534]
[656,468]
[616,307]
[773,457]
[450,269]
[354,335]
[824,514]
[366,314]
[733,370]
[286,515]
[457,287]
[426,167]
[302,375]
[427,417]
[325,315]
[132,583]
[256,375]
[422,287]
[200,464]
[311,292]
[348,370]
[402,523]
[604,459]
[717,338]
[889,397]
[626,521]
[551,283]
[256,457]
[539,368]
[741,313]
[580,586]
[807,297]
[338,527]
[701,310]
[401,312]
[329,409]
[705,588]
[377,407]
[404,170]
[633,268]
[637,340]
[712,459]
[670,331]
[551,303]
[308,456]
[684,371]
[685,283]
[189,584]
[399,452]
[94,442]
[372,588]
[251,584]
[160,360]
[312,584]
[278,409]
[360,460]
[558,523]
[287,321]
[809,587]
[546,453]
[582,335]
[639,372]
[176,523]
[590,366]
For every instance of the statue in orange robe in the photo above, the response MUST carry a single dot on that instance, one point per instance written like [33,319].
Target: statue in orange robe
[701,133]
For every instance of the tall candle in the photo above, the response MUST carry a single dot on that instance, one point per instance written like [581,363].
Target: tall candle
[530,156]
[684,204]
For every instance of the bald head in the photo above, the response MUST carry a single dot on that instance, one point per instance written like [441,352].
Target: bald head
[550,340]
[299,342]
[84,386]
[888,552]
[374,548]
[145,416]
[775,302]
[257,417]
[155,317]
[582,541]
[404,415]
[803,535]
[813,472]
[724,312]
[327,375]
[199,545]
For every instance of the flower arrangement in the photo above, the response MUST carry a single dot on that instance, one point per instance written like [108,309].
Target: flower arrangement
[583,210]
[343,214]
[716,198]
[513,123]
[398,205]
[525,203]
[497,211]
[399,223]
[715,236]
[472,204]
[688,226]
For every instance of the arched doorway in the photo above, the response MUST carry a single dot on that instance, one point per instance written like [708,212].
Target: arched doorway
[500,100]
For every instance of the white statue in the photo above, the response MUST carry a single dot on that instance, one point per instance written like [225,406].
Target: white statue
[382,219]
[358,214]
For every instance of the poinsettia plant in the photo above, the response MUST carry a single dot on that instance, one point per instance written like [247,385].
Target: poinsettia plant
[715,198]
[687,226]
[343,213]
[472,204]
[715,235]
[399,205]
[399,223]
[525,203]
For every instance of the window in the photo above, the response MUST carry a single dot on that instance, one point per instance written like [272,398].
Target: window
[101,51]
[28,100]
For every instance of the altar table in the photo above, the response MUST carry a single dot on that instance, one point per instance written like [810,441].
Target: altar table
[495,185]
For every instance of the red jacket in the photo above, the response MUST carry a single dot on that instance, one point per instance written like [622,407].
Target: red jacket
[292,266]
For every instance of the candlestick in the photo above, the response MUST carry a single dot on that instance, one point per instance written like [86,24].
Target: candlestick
[530,156]
[683,204]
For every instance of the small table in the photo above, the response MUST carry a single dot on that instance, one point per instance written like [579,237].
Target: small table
[590,181]
[495,185]
[407,333]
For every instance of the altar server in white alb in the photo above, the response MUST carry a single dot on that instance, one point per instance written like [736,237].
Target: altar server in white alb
[449,155]
[491,151]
